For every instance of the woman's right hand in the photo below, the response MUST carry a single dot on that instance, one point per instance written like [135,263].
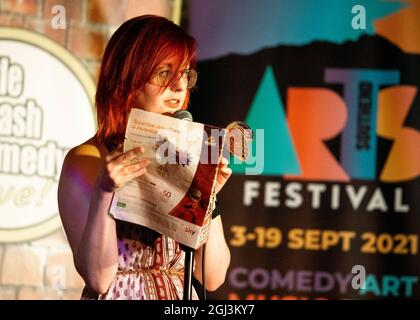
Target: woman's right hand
[121,167]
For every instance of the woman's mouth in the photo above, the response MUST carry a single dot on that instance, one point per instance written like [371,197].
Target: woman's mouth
[173,103]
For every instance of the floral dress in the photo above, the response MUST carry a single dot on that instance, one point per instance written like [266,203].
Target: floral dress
[150,267]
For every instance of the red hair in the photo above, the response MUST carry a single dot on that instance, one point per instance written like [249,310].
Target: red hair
[131,57]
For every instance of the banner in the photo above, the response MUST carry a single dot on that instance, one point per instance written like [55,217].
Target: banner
[331,209]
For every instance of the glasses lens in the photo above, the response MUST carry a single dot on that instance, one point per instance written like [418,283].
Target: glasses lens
[192,78]
[165,77]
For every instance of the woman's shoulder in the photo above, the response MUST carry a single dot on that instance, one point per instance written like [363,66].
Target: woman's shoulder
[84,159]
[89,148]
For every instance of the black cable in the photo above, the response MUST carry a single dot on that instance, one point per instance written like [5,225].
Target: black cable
[214,214]
[188,271]
[203,272]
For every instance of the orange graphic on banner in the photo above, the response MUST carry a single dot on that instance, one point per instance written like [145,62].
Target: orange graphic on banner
[315,116]
[400,27]
[403,161]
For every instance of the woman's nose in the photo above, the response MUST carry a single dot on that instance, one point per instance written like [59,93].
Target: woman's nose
[180,84]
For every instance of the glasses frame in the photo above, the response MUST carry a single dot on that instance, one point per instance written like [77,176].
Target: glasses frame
[166,80]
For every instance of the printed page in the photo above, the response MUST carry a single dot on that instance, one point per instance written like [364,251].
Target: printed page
[174,195]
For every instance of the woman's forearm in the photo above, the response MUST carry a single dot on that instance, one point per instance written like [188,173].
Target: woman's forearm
[96,258]
[217,257]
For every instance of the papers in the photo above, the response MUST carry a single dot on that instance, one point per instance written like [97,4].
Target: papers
[175,195]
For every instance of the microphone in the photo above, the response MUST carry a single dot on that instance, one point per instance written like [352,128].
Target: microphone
[183,115]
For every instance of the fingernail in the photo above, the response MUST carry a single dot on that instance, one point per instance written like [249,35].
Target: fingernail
[133,168]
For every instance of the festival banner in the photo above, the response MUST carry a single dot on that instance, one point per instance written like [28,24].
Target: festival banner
[331,207]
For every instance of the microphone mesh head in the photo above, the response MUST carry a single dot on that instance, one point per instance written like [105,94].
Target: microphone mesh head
[183,115]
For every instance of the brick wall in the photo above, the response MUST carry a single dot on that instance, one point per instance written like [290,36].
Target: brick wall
[43,269]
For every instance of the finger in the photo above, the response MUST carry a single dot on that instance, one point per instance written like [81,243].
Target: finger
[223,168]
[131,154]
[127,157]
[127,170]
[139,173]
[224,161]
[132,160]
[112,155]
[226,171]
[129,177]
[116,168]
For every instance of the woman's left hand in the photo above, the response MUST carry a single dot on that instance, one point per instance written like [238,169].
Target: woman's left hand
[223,174]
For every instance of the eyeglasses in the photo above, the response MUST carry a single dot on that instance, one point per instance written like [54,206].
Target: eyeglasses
[164,77]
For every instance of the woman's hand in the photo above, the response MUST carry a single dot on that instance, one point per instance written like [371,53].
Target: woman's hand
[121,167]
[223,174]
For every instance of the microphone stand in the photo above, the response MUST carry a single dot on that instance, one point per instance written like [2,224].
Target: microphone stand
[189,252]
[188,271]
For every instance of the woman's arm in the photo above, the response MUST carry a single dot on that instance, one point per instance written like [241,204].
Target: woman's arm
[85,193]
[96,257]
[217,254]
[217,257]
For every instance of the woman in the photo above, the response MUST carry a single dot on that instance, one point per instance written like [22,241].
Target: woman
[149,64]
